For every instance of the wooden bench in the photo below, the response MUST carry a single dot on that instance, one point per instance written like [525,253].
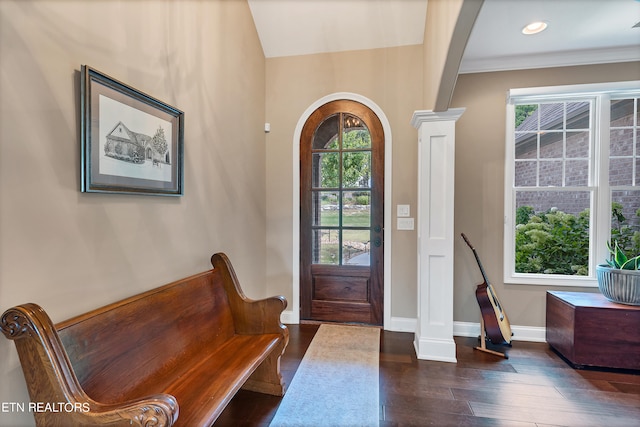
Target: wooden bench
[174,355]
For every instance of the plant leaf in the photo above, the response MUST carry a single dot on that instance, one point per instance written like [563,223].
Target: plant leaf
[619,257]
[632,264]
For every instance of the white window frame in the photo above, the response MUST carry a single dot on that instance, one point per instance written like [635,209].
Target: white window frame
[600,222]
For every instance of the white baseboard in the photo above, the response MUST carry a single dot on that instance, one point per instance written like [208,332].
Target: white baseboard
[470,329]
[460,329]
[288,318]
[520,333]
[401,324]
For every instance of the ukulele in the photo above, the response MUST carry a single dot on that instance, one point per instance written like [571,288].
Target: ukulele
[496,323]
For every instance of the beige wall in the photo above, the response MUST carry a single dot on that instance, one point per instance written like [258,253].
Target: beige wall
[392,79]
[440,26]
[70,251]
[479,205]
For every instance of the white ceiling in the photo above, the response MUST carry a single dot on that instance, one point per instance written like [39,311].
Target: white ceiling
[579,32]
[301,27]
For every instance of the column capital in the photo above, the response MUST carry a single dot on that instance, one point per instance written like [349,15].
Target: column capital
[426,116]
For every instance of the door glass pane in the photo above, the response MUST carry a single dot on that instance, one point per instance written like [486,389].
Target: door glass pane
[356,207]
[355,133]
[326,208]
[356,171]
[326,136]
[326,243]
[355,247]
[325,173]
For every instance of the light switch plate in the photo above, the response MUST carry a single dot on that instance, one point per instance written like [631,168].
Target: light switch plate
[404,211]
[405,224]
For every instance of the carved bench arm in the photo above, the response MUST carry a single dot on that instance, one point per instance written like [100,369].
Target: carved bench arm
[153,411]
[50,379]
[250,316]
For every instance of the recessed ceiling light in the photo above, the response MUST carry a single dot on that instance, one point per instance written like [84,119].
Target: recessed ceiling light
[534,28]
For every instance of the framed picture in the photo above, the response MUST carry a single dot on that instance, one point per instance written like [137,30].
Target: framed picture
[131,142]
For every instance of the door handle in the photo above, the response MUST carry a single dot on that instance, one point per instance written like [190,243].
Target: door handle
[377,242]
[377,228]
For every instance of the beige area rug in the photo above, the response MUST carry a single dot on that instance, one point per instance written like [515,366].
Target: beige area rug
[337,381]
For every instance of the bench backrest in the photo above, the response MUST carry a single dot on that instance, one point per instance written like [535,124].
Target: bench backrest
[120,350]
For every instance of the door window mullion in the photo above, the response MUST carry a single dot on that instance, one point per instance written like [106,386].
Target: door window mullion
[340,180]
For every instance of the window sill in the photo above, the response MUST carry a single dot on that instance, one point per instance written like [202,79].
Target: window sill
[552,280]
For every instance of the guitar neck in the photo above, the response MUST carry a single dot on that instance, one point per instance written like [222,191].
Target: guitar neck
[475,254]
[490,291]
[484,275]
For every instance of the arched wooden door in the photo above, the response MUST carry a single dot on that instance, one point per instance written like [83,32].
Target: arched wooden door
[342,215]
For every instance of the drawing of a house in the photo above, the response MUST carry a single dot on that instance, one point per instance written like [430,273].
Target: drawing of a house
[124,144]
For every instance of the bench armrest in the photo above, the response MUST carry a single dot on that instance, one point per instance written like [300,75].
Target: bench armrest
[50,379]
[254,317]
[250,316]
[158,410]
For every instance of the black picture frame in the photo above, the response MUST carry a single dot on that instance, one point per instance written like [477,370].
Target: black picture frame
[131,143]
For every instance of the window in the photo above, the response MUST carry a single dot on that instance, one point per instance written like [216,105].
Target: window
[572,180]
[341,191]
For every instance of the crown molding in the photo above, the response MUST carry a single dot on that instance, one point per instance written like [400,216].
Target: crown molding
[550,60]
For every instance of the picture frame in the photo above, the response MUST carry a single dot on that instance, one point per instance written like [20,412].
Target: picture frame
[131,143]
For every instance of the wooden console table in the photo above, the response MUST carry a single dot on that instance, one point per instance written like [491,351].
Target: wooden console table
[589,330]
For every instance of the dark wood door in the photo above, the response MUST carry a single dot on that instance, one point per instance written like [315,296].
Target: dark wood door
[342,215]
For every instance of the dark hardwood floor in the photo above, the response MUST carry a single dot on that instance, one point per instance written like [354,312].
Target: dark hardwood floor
[534,387]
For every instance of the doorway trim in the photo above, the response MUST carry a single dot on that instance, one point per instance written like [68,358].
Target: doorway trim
[295,315]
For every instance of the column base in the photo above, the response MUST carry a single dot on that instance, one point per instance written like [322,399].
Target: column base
[441,350]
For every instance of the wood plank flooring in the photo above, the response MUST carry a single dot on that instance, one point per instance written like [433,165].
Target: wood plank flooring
[534,387]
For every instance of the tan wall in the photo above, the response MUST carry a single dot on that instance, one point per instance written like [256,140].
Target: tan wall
[70,251]
[391,78]
[442,16]
[479,204]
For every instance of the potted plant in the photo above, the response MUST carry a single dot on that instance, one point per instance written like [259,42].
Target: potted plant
[619,279]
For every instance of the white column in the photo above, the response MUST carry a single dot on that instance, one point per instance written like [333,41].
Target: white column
[436,161]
